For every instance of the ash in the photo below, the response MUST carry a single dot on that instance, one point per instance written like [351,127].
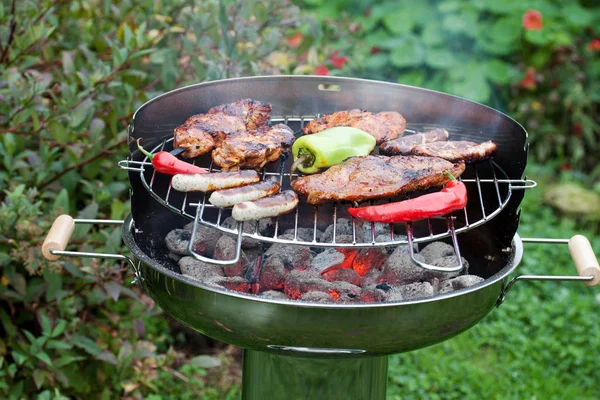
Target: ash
[316,275]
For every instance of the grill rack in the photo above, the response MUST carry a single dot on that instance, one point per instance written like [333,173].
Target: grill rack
[196,207]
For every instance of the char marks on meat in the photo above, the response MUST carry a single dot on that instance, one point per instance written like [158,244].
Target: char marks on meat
[457,150]
[403,145]
[237,133]
[374,177]
[383,126]
[253,149]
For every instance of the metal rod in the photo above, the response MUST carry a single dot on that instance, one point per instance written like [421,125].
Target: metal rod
[544,240]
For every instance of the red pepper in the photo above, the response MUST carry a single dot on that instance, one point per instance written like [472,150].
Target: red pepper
[166,163]
[451,198]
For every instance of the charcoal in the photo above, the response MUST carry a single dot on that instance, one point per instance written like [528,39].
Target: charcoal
[198,269]
[372,278]
[298,282]
[371,295]
[327,259]
[435,284]
[304,234]
[343,274]
[174,257]
[446,262]
[383,286]
[436,250]
[445,287]
[236,283]
[417,290]
[399,268]
[369,259]
[317,297]
[265,227]
[225,250]
[274,294]
[465,281]
[346,292]
[382,232]
[394,295]
[177,242]
[272,274]
[343,228]
[293,256]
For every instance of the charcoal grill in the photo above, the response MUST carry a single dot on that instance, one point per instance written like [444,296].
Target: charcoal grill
[309,350]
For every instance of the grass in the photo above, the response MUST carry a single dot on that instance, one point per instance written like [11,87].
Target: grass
[541,343]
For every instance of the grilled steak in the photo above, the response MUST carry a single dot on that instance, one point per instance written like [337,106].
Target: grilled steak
[237,133]
[374,177]
[253,113]
[253,149]
[382,126]
[403,145]
[457,151]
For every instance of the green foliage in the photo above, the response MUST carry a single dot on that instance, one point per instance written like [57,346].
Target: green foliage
[478,49]
[71,75]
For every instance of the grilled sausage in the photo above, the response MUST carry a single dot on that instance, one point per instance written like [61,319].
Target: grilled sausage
[271,206]
[213,181]
[230,197]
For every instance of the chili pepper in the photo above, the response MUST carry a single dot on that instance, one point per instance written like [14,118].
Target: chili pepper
[451,198]
[166,163]
[330,147]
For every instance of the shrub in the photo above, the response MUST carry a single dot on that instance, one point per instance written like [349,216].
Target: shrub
[71,75]
[535,59]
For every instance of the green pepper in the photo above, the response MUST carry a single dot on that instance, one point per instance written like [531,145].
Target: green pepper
[330,147]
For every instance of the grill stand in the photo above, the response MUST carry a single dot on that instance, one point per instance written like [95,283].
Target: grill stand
[274,376]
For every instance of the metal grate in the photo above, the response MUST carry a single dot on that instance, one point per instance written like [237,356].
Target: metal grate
[487,180]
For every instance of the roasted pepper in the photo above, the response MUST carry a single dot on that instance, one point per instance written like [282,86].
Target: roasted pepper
[451,198]
[330,147]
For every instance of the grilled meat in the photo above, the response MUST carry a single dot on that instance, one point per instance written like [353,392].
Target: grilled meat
[374,177]
[383,126]
[457,151]
[202,132]
[253,149]
[403,145]
[213,181]
[253,113]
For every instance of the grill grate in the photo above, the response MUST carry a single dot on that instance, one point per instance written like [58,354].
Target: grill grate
[489,188]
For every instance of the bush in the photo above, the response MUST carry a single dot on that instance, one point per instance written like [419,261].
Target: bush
[535,59]
[71,75]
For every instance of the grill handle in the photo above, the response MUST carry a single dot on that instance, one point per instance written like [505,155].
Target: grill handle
[583,257]
[60,233]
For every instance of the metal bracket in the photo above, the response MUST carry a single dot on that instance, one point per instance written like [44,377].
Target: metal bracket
[458,267]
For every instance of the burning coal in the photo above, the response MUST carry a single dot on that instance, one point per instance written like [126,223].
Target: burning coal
[342,275]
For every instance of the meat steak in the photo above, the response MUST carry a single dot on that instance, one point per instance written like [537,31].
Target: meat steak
[457,150]
[403,145]
[374,177]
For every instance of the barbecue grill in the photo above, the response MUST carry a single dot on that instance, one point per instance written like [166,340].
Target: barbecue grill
[301,349]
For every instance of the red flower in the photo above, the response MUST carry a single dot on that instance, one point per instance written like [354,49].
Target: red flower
[532,20]
[529,81]
[295,40]
[565,166]
[321,70]
[577,129]
[594,45]
[375,50]
[337,61]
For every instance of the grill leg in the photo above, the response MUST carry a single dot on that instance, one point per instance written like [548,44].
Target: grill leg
[272,376]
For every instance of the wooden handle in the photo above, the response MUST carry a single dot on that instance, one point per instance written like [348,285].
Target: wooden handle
[58,237]
[584,258]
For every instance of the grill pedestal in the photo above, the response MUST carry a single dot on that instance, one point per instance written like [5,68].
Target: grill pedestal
[272,376]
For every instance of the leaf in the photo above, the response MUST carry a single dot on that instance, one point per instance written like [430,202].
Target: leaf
[86,344]
[67,62]
[19,357]
[498,71]
[113,289]
[39,376]
[68,359]
[58,131]
[9,327]
[108,357]
[62,201]
[409,53]
[46,323]
[82,113]
[205,361]
[59,328]
[440,58]
[59,345]
[576,15]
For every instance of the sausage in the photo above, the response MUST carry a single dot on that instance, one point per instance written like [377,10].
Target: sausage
[230,197]
[403,145]
[213,181]
[271,206]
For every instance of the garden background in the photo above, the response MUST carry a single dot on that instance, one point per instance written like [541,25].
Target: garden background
[73,72]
